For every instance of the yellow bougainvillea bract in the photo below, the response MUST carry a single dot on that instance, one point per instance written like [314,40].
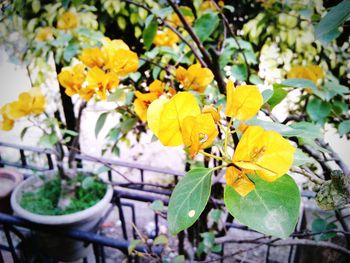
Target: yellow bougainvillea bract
[198,132]
[101,82]
[67,20]
[239,181]
[243,102]
[166,37]
[72,78]
[265,152]
[195,77]
[92,57]
[312,72]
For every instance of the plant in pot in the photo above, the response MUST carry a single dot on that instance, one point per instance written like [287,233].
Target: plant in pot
[67,197]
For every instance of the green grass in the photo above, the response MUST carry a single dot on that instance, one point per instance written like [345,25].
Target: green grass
[44,200]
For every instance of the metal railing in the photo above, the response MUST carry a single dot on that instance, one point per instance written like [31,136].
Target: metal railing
[125,196]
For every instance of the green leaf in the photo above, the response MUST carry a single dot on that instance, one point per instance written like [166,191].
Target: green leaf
[321,225]
[332,20]
[340,107]
[160,240]
[299,83]
[133,244]
[215,214]
[344,127]
[284,130]
[205,25]
[70,51]
[36,6]
[307,129]
[88,182]
[48,140]
[189,199]
[240,72]
[271,208]
[100,122]
[301,158]
[149,33]
[279,93]
[179,259]
[318,110]
[267,94]
[157,206]
[127,125]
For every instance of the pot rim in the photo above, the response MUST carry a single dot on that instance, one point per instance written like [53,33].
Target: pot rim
[13,175]
[57,219]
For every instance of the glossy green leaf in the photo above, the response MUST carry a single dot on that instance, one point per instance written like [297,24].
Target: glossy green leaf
[133,244]
[332,20]
[205,25]
[189,199]
[318,110]
[271,208]
[344,127]
[100,122]
[240,72]
[279,93]
[308,129]
[160,240]
[149,33]
[299,83]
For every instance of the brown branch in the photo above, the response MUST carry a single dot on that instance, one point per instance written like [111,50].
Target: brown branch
[193,49]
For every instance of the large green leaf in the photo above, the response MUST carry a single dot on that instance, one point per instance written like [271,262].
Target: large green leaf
[279,93]
[205,25]
[299,83]
[325,30]
[189,199]
[271,208]
[100,122]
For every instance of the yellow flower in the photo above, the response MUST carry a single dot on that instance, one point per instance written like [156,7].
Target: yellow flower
[31,102]
[215,113]
[242,102]
[6,124]
[208,5]
[141,107]
[67,20]
[72,78]
[265,152]
[195,77]
[166,37]
[175,21]
[171,116]
[142,101]
[101,82]
[44,34]
[154,112]
[92,57]
[312,72]
[118,57]
[198,132]
[239,181]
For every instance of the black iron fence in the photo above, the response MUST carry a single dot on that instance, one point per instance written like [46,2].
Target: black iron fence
[126,194]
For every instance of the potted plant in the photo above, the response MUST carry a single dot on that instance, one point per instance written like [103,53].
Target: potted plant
[68,198]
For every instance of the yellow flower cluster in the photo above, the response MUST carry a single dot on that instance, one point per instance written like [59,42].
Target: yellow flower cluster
[105,66]
[180,121]
[195,77]
[175,21]
[166,37]
[265,153]
[28,103]
[67,20]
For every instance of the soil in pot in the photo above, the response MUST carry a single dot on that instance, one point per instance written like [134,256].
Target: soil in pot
[86,199]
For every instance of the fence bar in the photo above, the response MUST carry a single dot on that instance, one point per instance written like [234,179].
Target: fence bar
[10,243]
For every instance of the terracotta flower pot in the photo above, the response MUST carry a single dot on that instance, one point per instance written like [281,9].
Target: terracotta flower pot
[60,248]
[9,179]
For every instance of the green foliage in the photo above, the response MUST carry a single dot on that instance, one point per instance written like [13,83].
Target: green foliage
[150,32]
[266,209]
[157,206]
[327,29]
[279,93]
[344,127]
[100,122]
[322,225]
[240,72]
[44,200]
[318,110]
[205,25]
[189,199]
[133,244]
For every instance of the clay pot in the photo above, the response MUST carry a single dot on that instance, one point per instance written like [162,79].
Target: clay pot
[61,248]
[9,179]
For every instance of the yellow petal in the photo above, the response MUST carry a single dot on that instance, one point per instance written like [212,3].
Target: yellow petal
[180,106]
[195,77]
[67,20]
[140,109]
[215,113]
[243,102]
[266,152]
[157,86]
[146,97]
[72,78]
[198,132]
[92,57]
[239,181]
[154,112]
